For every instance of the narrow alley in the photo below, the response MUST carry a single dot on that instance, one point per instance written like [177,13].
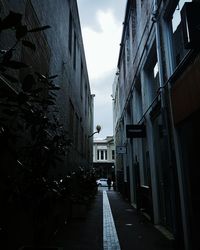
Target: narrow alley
[99,93]
[111,224]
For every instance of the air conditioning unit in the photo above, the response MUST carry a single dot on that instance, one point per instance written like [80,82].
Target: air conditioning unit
[190,21]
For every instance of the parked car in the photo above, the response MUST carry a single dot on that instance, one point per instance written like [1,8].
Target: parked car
[102,182]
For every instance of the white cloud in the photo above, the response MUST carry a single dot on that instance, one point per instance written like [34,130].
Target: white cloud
[101,23]
[103,104]
[101,48]
[89,8]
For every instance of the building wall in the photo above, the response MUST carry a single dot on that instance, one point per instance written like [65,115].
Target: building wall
[105,145]
[153,87]
[104,156]
[74,100]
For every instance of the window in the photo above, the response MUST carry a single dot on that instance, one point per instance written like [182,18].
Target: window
[113,154]
[71,120]
[81,81]
[151,75]
[86,98]
[174,20]
[82,140]
[127,46]
[138,100]
[74,55]
[76,131]
[124,65]
[70,33]
[102,155]
[133,24]
[86,147]
[106,155]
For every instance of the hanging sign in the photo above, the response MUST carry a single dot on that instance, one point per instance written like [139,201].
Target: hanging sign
[135,131]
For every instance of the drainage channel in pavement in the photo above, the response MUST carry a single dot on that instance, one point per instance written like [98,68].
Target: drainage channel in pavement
[110,238]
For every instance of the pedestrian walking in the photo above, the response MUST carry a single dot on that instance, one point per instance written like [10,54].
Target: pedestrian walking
[109,183]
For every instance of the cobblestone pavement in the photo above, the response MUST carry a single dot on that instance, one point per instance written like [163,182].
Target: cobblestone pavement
[111,224]
[135,232]
[110,238]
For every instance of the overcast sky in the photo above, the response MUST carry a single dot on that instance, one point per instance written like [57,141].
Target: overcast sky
[101,23]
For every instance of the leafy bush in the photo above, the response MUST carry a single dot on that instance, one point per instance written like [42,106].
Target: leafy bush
[32,140]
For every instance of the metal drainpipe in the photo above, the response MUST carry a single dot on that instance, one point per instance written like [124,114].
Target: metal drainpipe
[163,106]
[155,19]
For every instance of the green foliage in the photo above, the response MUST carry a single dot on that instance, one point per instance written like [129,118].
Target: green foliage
[29,127]
[33,139]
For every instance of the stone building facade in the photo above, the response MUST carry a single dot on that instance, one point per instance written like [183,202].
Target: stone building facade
[59,51]
[156,114]
[104,157]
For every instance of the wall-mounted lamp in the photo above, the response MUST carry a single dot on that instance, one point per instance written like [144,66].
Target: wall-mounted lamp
[98,129]
[113,99]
